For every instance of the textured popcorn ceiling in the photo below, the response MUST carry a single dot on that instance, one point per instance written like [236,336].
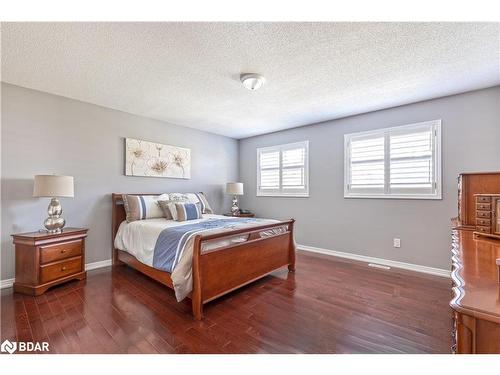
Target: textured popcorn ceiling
[188,73]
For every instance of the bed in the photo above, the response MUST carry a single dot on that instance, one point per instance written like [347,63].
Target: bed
[212,262]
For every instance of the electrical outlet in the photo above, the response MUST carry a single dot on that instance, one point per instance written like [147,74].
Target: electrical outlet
[397,242]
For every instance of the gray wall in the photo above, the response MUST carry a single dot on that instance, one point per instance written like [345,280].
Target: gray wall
[471,142]
[45,134]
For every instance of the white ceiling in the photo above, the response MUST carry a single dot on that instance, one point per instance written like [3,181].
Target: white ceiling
[188,73]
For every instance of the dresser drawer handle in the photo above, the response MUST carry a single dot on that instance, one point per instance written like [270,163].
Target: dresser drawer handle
[63,268]
[483,199]
[63,251]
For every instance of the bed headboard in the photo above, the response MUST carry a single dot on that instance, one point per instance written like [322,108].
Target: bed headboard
[117,216]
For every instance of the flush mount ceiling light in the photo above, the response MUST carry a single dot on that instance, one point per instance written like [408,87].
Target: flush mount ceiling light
[252,81]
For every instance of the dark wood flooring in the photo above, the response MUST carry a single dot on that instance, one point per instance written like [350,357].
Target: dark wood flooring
[329,305]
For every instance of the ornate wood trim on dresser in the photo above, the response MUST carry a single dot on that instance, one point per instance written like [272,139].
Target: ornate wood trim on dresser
[475,274]
[476,293]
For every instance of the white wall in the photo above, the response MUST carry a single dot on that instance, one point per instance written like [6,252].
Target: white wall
[471,142]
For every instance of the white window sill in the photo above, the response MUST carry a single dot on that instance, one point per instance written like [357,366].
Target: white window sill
[284,195]
[395,196]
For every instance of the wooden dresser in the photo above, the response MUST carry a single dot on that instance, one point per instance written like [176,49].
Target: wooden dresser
[475,270]
[44,260]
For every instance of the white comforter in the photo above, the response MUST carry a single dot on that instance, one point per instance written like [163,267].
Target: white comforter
[139,238]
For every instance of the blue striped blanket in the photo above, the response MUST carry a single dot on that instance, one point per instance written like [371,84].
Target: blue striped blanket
[172,241]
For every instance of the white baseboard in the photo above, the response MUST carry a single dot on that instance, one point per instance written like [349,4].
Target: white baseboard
[7,283]
[95,265]
[385,262]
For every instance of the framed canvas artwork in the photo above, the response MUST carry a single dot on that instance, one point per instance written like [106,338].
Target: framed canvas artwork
[151,159]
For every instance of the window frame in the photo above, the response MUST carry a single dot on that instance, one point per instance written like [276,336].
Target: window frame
[280,192]
[435,125]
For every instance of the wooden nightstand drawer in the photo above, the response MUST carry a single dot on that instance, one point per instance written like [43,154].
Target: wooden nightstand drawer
[483,222]
[482,199]
[483,206]
[64,250]
[483,214]
[483,229]
[59,270]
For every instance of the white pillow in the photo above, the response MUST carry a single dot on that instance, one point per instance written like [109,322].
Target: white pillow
[179,197]
[163,197]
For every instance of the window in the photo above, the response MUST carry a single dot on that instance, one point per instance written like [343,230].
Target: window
[283,170]
[399,162]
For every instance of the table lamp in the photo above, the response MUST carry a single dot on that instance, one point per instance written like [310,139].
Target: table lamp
[234,188]
[53,187]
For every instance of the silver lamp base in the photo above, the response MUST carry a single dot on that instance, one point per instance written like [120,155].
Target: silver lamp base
[235,210]
[54,223]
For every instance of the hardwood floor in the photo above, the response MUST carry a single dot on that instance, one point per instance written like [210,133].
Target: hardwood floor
[329,305]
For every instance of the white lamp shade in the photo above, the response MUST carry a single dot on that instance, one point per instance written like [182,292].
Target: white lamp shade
[53,186]
[234,188]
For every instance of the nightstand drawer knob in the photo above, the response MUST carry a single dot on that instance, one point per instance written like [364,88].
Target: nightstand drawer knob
[63,251]
[63,268]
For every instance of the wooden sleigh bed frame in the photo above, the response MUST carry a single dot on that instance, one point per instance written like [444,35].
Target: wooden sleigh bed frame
[221,270]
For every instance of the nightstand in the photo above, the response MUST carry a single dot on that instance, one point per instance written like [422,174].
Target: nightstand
[47,259]
[240,215]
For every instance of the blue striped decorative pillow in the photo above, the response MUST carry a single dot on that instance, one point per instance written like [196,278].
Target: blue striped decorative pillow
[140,207]
[187,211]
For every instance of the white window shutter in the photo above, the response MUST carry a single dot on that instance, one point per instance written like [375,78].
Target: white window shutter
[283,170]
[367,162]
[411,164]
[269,166]
[398,162]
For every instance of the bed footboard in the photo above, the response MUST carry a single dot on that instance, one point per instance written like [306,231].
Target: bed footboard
[222,270]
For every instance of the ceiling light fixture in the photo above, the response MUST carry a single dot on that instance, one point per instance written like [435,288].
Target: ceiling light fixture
[252,81]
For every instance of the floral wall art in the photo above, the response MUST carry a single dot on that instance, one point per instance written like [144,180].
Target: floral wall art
[152,159]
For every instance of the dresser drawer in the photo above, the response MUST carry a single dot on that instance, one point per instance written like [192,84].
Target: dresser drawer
[483,229]
[483,206]
[483,214]
[483,199]
[52,253]
[60,269]
[483,222]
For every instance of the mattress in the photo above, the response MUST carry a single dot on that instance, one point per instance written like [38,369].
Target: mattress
[138,238]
